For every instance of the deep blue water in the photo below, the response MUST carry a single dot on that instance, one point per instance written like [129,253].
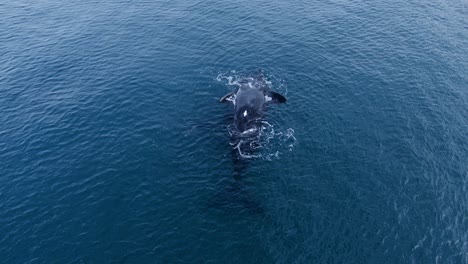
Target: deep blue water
[114,148]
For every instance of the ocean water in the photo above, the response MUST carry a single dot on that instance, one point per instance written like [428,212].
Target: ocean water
[114,148]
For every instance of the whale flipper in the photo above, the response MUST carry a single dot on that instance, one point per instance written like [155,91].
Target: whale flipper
[228,97]
[272,97]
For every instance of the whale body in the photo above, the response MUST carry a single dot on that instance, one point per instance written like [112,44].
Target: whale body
[249,101]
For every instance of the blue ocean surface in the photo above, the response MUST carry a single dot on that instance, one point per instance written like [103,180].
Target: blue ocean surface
[115,149]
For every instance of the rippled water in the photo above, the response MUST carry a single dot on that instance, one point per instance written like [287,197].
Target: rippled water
[114,148]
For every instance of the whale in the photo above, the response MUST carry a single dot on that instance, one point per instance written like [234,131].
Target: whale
[250,101]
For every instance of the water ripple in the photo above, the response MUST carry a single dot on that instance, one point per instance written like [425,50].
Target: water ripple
[115,149]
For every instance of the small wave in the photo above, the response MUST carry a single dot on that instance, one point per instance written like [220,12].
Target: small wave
[264,142]
[234,79]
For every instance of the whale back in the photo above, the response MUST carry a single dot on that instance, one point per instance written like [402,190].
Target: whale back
[248,106]
[249,100]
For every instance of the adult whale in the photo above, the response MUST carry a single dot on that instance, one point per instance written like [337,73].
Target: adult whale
[249,102]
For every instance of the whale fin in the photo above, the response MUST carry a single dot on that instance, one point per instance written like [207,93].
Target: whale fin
[228,97]
[275,98]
